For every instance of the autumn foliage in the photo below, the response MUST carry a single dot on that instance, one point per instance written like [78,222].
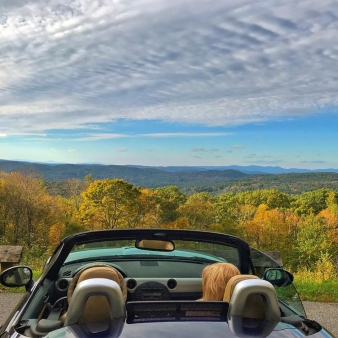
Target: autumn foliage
[303,227]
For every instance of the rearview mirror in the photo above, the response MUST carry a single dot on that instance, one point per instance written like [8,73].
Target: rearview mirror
[278,277]
[16,276]
[156,245]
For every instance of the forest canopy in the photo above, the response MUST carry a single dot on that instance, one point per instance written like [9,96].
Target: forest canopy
[303,227]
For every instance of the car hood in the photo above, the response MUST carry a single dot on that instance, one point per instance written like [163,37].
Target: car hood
[185,329]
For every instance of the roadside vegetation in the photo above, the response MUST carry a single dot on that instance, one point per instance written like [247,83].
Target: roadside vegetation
[325,292]
[318,284]
[303,227]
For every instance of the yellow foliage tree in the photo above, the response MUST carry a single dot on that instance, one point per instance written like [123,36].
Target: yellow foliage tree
[199,211]
[56,233]
[110,204]
[268,229]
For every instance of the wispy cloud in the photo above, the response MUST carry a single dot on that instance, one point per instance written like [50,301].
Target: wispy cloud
[108,136]
[183,135]
[99,137]
[238,146]
[122,150]
[66,64]
[271,162]
[313,162]
[202,150]
[251,156]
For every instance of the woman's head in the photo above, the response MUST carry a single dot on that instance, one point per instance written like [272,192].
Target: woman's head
[215,278]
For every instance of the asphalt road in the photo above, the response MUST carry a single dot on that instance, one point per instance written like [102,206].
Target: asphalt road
[324,313]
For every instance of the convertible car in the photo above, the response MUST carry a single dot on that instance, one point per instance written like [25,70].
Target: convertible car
[147,283]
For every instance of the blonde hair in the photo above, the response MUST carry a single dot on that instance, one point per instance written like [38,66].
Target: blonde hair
[215,278]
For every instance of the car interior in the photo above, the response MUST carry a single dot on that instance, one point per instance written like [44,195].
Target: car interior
[98,294]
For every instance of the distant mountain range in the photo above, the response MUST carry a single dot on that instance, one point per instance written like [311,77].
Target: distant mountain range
[251,169]
[143,176]
[214,179]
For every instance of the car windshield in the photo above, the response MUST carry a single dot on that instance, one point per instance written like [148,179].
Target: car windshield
[126,250]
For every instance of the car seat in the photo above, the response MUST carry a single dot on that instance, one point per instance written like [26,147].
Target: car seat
[97,306]
[253,306]
[96,301]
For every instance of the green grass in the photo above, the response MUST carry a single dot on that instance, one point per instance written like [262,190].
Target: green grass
[318,292]
[326,292]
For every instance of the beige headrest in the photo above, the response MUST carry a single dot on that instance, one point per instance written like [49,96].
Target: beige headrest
[255,304]
[98,271]
[233,281]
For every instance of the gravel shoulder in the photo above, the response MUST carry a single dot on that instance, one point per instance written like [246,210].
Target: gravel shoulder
[324,313]
[7,303]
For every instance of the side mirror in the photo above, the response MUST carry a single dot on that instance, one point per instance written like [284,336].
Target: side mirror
[16,276]
[156,245]
[278,277]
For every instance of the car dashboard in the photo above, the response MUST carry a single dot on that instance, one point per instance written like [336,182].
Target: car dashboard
[147,280]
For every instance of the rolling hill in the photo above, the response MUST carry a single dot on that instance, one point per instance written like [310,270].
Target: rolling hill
[189,179]
[145,177]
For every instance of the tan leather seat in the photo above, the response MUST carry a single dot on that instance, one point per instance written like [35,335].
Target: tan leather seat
[233,281]
[253,306]
[97,308]
[84,309]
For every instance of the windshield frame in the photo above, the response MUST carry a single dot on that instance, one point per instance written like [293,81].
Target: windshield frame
[69,242]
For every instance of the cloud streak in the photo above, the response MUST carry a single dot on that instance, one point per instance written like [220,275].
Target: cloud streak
[111,136]
[202,150]
[68,64]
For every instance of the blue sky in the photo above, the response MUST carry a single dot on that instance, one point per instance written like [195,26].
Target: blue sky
[158,82]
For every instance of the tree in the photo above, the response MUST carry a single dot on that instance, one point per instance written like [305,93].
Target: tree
[311,202]
[313,240]
[199,211]
[330,216]
[56,233]
[271,198]
[272,230]
[28,212]
[109,204]
[147,215]
[169,200]
[74,188]
[226,212]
